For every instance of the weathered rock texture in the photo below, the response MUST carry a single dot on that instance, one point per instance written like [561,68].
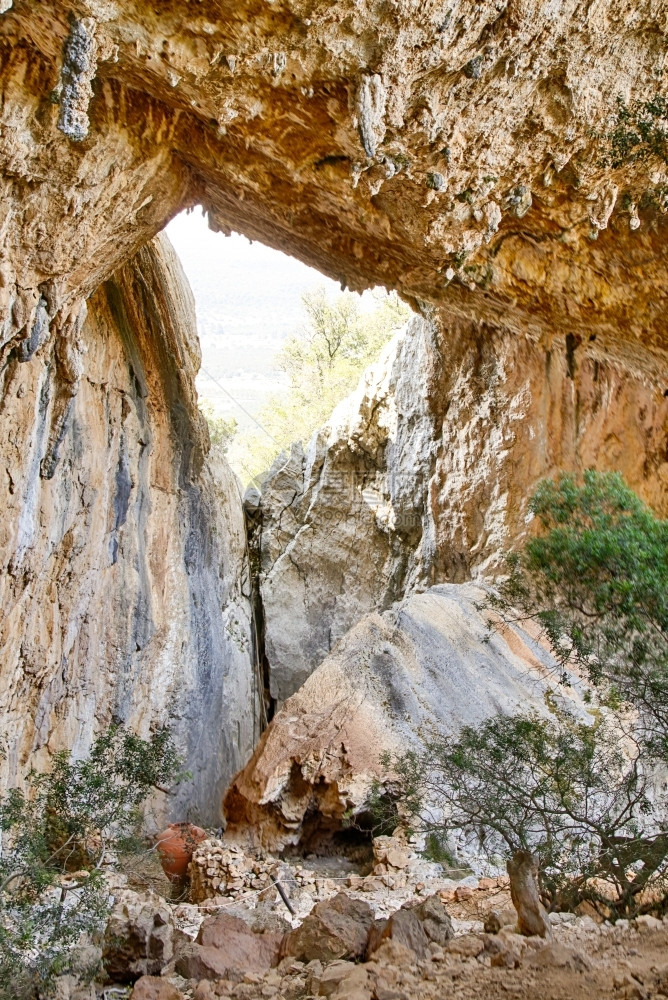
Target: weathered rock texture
[335,928]
[423,474]
[383,144]
[425,664]
[139,936]
[227,948]
[454,151]
[122,544]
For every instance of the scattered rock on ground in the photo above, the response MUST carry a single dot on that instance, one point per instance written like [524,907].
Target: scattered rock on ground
[623,963]
[503,953]
[354,986]
[332,976]
[155,988]
[139,936]
[229,878]
[435,919]
[196,962]
[458,960]
[496,919]
[468,945]
[558,956]
[404,927]
[335,928]
[228,948]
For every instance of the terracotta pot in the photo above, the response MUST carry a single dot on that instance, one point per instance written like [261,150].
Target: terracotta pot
[175,847]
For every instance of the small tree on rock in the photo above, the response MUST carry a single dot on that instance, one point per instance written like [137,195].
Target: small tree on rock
[56,836]
[582,790]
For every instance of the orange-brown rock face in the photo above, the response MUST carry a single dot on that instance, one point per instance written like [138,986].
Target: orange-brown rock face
[122,546]
[457,151]
[423,475]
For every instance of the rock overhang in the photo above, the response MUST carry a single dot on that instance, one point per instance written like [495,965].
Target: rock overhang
[456,156]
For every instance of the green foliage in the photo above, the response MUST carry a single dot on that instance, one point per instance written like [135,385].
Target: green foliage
[380,816]
[574,792]
[221,431]
[438,850]
[381,806]
[596,580]
[638,132]
[323,364]
[56,836]
[584,793]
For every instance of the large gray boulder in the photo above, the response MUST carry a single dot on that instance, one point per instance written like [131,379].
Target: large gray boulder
[430,663]
[343,523]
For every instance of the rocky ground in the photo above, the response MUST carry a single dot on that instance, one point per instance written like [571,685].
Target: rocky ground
[394,928]
[583,961]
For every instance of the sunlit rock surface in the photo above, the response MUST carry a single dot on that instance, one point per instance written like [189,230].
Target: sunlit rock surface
[459,151]
[428,665]
[424,473]
[124,593]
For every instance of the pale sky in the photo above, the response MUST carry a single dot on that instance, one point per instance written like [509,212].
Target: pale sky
[240,285]
[248,300]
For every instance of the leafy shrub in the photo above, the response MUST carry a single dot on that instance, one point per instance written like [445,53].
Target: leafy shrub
[56,836]
[575,793]
[438,850]
[585,794]
[380,816]
[221,431]
[595,579]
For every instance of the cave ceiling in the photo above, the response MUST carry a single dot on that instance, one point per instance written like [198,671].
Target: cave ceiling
[457,151]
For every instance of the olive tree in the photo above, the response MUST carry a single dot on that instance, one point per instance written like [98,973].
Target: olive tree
[57,835]
[584,792]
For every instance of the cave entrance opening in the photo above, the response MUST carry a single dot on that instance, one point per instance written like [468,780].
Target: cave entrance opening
[281,343]
[326,833]
[281,346]
[347,838]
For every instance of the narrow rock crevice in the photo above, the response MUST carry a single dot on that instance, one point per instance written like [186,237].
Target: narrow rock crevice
[253,524]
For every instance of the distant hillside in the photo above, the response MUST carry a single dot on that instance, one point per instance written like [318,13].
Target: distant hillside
[248,300]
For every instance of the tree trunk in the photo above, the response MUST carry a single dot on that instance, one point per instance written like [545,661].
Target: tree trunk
[531,914]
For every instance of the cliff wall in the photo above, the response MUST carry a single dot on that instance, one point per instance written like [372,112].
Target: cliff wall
[124,585]
[423,474]
[470,154]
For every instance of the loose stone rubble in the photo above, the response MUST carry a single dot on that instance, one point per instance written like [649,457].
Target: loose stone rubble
[353,936]
[452,953]
[224,876]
